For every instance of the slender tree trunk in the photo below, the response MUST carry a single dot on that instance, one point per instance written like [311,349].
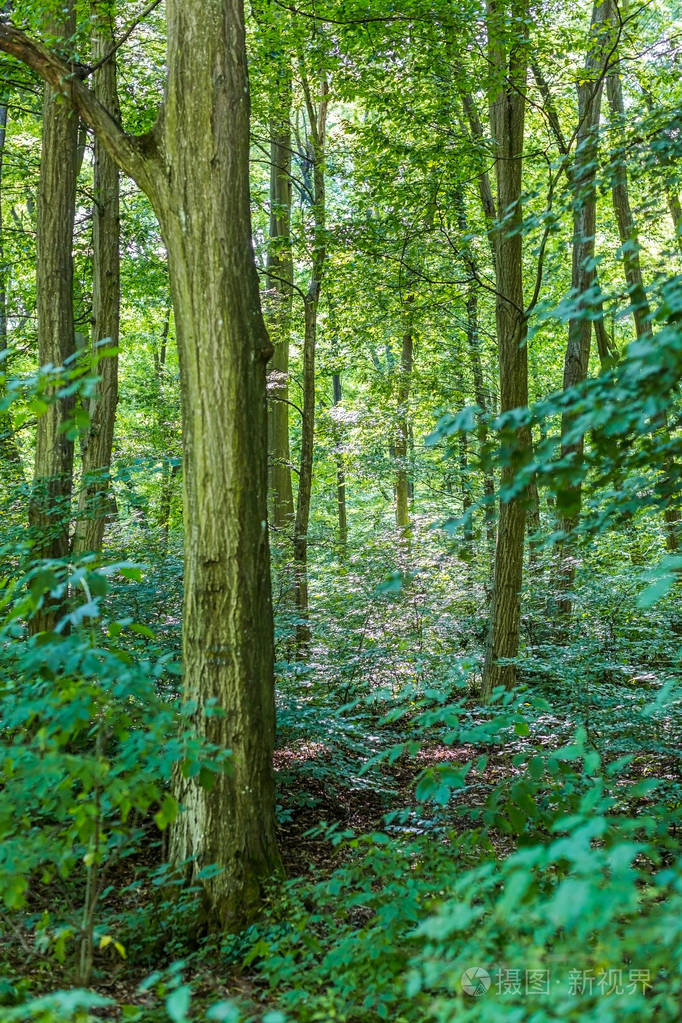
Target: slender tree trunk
[340,471]
[10,459]
[597,46]
[627,228]
[508,59]
[465,484]
[675,208]
[280,270]
[485,191]
[400,445]
[171,470]
[317,119]
[50,507]
[480,392]
[95,499]
[583,276]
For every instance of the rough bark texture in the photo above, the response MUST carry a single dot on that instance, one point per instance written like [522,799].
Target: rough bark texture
[96,446]
[583,275]
[223,348]
[49,512]
[280,270]
[194,166]
[317,123]
[507,52]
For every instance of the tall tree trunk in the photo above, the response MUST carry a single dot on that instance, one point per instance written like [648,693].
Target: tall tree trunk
[675,208]
[507,50]
[627,228]
[317,120]
[10,459]
[223,349]
[481,394]
[280,273]
[50,506]
[465,484]
[95,500]
[583,274]
[485,191]
[194,166]
[171,469]
[480,390]
[340,471]
[400,444]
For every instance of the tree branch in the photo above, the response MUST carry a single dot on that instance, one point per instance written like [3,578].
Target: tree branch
[130,152]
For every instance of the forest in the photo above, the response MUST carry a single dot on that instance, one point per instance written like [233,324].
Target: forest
[341,497]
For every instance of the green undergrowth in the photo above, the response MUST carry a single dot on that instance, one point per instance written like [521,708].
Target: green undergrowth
[520,861]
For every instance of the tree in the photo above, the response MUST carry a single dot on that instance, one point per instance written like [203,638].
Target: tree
[508,55]
[402,425]
[9,453]
[95,501]
[50,507]
[317,110]
[584,282]
[194,167]
[280,272]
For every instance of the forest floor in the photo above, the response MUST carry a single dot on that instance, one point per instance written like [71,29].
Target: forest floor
[326,793]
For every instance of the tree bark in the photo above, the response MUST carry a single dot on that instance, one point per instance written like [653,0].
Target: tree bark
[194,166]
[223,348]
[95,499]
[280,274]
[50,506]
[508,58]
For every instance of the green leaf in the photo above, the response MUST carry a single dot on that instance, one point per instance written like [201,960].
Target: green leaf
[178,1003]
[168,812]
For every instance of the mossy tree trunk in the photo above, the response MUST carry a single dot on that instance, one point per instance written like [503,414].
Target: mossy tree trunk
[194,166]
